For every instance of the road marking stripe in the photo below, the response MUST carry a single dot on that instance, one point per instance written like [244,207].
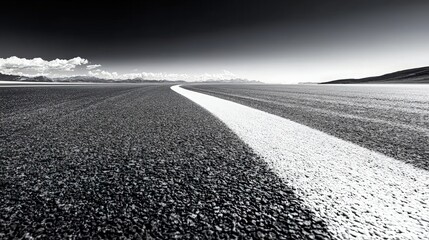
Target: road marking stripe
[359,193]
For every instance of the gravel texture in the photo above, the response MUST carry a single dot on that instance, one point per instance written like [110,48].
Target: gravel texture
[390,119]
[361,194]
[134,161]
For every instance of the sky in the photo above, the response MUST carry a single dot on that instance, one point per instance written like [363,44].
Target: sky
[270,41]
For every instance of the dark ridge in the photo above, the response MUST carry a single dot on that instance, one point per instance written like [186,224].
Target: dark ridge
[415,75]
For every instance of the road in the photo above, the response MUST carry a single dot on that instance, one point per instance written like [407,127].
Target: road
[157,161]
[390,119]
[360,193]
[135,161]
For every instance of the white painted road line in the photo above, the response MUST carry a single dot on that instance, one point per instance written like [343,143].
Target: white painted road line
[359,193]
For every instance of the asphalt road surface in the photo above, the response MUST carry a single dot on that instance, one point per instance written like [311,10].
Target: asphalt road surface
[358,192]
[390,119]
[135,161]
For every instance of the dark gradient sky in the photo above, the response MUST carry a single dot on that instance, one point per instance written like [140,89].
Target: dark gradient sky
[273,41]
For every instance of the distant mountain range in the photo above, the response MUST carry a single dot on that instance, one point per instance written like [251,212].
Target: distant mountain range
[415,75]
[233,80]
[89,79]
[86,79]
[7,77]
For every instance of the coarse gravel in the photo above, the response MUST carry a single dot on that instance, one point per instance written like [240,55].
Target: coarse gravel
[134,161]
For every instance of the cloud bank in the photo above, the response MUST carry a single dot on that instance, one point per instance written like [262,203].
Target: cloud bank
[66,68]
[16,65]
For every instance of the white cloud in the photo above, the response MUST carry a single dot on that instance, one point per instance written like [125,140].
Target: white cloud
[16,65]
[224,75]
[103,74]
[93,66]
[65,67]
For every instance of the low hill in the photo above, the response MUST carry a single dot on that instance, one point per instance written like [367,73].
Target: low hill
[409,76]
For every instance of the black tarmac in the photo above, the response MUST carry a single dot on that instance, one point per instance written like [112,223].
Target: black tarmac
[134,161]
[393,120]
